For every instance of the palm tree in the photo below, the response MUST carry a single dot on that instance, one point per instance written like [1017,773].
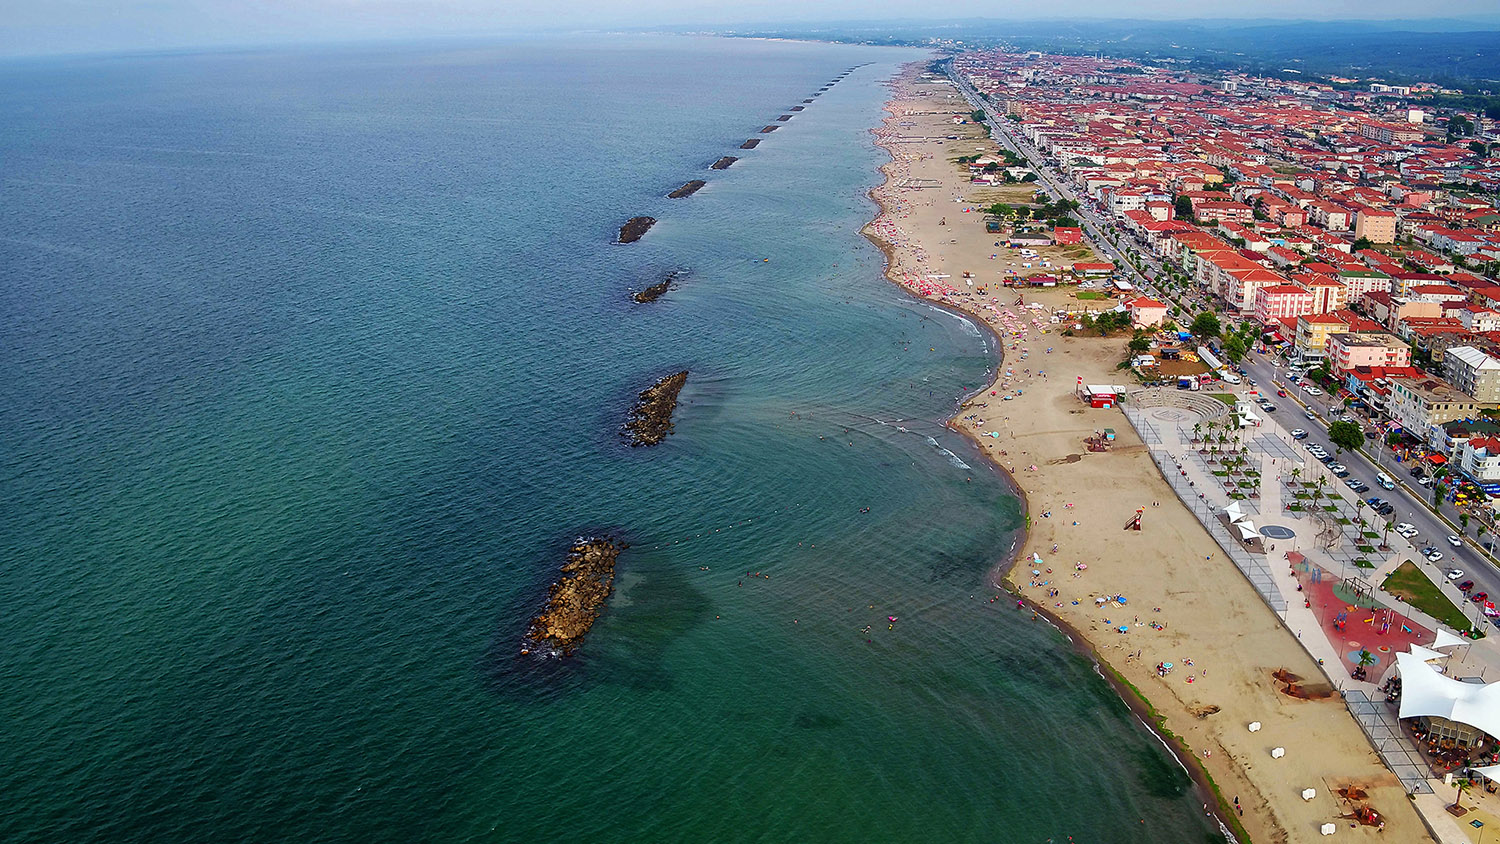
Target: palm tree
[1386,539]
[1463,785]
[1296,473]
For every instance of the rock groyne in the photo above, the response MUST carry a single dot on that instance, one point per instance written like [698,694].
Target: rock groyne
[723,163]
[750,144]
[655,291]
[651,420]
[634,228]
[574,601]
[769,129]
[687,190]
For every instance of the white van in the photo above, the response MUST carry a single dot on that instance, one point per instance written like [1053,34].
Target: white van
[1384,481]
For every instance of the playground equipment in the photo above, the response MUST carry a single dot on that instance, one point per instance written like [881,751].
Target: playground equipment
[1135,521]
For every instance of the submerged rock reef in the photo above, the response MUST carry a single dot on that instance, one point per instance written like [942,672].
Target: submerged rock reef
[651,420]
[574,601]
[634,228]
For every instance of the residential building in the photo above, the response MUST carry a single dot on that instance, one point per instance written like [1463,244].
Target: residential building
[1146,312]
[1347,351]
[1375,225]
[1276,301]
[1421,407]
[1474,372]
[1479,458]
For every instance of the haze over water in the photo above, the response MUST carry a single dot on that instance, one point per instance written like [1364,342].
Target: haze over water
[315,363]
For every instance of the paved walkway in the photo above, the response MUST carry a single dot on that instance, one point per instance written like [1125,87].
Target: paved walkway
[1264,485]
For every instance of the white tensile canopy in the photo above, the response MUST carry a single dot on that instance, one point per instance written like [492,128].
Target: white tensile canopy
[1489,772]
[1247,529]
[1424,692]
[1446,639]
[1234,512]
[1426,654]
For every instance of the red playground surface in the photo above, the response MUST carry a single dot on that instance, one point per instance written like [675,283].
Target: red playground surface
[1354,621]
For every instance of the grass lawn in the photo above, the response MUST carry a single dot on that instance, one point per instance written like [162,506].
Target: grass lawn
[1409,584]
[1363,564]
[1227,398]
[1092,294]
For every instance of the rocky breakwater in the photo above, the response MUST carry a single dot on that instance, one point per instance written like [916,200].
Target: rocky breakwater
[634,228]
[687,190]
[655,291]
[723,163]
[750,144]
[574,601]
[651,420]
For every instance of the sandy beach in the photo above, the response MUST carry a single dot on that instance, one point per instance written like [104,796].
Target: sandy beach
[1186,604]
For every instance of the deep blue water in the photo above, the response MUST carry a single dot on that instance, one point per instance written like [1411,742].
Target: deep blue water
[314,364]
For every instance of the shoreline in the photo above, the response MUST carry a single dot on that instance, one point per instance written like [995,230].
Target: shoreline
[998,575]
[1201,613]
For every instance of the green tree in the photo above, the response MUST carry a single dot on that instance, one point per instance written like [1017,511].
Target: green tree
[1205,325]
[1140,344]
[1183,206]
[1479,148]
[1234,348]
[977,116]
[1362,243]
[1345,435]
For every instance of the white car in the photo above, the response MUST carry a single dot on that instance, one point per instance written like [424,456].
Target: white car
[1298,433]
[1402,527]
[1435,556]
[1454,574]
[1454,540]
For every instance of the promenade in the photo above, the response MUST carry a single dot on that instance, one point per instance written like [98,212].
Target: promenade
[1316,554]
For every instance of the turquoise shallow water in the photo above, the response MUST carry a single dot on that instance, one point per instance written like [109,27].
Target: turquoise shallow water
[315,363]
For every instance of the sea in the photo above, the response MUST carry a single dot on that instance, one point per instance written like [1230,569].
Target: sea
[314,364]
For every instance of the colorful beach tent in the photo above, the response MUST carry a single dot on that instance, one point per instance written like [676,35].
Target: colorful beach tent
[1424,692]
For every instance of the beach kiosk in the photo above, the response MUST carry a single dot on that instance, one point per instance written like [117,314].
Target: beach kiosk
[1101,395]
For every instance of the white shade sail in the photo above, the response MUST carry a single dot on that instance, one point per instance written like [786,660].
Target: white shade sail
[1446,639]
[1426,654]
[1424,692]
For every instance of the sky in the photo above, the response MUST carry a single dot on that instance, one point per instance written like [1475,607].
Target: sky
[83,26]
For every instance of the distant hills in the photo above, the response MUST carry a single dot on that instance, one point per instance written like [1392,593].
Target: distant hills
[1438,50]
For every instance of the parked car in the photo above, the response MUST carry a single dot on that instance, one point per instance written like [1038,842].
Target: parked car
[1281,393]
[1337,467]
[1268,407]
[1314,391]
[1454,574]
[1479,597]
[1466,586]
[1358,485]
[1299,434]
[1385,508]
[1424,482]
